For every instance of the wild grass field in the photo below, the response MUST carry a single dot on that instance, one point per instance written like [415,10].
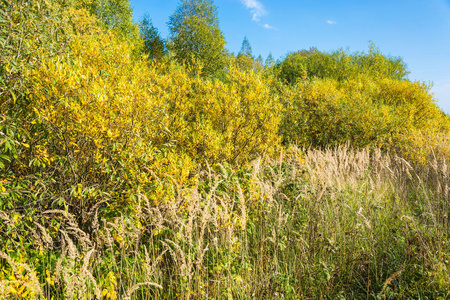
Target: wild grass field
[339,224]
[133,168]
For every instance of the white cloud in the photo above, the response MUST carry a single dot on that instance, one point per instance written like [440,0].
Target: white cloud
[256,8]
[267,26]
[331,22]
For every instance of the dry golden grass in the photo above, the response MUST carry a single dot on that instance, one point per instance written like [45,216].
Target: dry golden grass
[308,225]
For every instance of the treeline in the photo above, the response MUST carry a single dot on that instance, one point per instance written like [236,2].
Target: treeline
[98,113]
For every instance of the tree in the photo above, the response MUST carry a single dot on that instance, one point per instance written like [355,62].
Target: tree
[115,14]
[195,35]
[270,61]
[153,44]
[246,48]
[245,58]
[340,65]
[259,62]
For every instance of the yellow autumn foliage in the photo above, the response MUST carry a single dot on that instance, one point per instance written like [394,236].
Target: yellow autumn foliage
[127,178]
[397,115]
[109,113]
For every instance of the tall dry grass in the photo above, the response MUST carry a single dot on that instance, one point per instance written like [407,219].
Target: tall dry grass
[339,223]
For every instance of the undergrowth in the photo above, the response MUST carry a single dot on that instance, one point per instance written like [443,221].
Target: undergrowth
[334,224]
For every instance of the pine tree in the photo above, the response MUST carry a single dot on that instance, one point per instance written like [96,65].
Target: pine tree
[245,57]
[259,63]
[270,61]
[153,44]
[195,35]
[246,48]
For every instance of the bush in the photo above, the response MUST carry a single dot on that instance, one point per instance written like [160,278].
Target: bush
[362,99]
[117,123]
[339,65]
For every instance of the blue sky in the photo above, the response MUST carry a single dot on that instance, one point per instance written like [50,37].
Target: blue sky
[416,30]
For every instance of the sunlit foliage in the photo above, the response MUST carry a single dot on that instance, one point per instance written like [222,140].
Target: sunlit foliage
[363,99]
[340,65]
[195,35]
[115,122]
[127,174]
[114,14]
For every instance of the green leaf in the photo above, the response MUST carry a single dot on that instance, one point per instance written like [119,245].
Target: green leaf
[5,157]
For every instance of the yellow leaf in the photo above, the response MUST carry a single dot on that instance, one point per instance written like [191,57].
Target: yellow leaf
[20,291]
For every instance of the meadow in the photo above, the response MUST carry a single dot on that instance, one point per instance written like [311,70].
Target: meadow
[131,168]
